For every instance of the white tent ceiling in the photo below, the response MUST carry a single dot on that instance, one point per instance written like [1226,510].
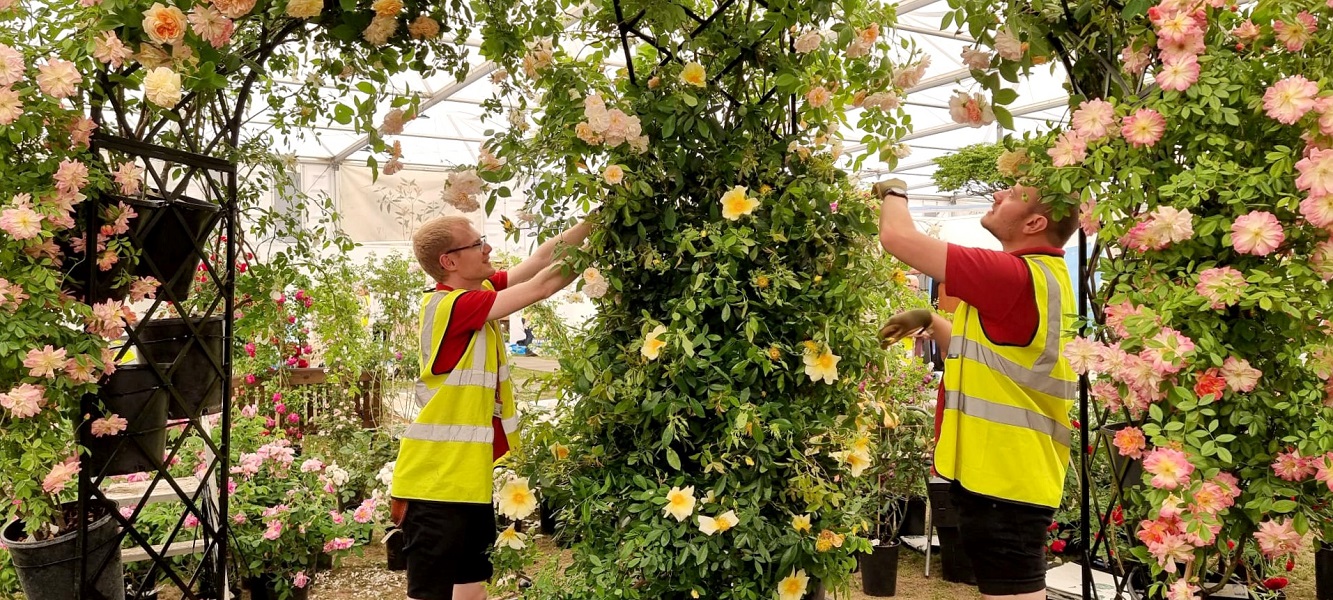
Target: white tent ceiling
[451,125]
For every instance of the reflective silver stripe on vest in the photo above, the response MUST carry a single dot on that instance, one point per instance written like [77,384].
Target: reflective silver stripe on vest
[1038,378]
[510,425]
[477,377]
[1055,311]
[428,326]
[1007,415]
[450,433]
[424,394]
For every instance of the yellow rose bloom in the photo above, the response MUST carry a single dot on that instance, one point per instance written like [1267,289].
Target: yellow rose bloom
[652,346]
[694,74]
[718,524]
[735,204]
[793,587]
[516,499]
[559,451]
[801,522]
[680,503]
[510,538]
[822,366]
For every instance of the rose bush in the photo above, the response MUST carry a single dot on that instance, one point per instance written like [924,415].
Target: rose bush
[735,273]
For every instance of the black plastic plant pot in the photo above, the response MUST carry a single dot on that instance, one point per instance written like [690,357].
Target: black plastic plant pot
[265,587]
[914,519]
[393,549]
[1323,572]
[170,244]
[194,376]
[76,271]
[136,394]
[49,569]
[879,571]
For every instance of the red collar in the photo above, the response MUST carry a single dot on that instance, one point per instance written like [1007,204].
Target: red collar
[440,287]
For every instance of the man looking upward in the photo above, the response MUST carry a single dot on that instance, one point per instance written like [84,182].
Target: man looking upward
[1002,424]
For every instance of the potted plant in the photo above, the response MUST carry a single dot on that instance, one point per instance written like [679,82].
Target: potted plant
[901,462]
[285,513]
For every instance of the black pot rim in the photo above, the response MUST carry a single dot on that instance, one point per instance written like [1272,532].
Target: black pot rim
[108,505]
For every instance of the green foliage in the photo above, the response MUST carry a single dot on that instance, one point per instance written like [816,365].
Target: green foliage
[743,303]
[971,170]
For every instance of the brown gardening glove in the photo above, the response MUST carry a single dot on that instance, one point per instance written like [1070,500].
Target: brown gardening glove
[905,324]
[883,187]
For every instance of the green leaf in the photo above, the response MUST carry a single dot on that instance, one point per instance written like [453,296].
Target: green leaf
[1005,96]
[673,459]
[1284,506]
[689,99]
[1003,117]
[342,113]
[1134,8]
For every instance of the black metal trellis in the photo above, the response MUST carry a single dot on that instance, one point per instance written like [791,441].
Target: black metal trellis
[745,54]
[172,174]
[191,176]
[1099,549]
[189,217]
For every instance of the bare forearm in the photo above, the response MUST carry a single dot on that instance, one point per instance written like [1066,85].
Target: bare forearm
[554,278]
[894,221]
[541,257]
[573,236]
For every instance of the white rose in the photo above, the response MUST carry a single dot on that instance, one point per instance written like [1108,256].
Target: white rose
[162,87]
[385,475]
[808,42]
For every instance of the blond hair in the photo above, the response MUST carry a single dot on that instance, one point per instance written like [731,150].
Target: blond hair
[434,238]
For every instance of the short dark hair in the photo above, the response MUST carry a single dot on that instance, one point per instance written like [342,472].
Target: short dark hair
[1058,231]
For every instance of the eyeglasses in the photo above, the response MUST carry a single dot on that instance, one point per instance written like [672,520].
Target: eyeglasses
[477,244]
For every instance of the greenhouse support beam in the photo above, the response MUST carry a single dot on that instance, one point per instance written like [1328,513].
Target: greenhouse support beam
[473,75]
[934,33]
[947,127]
[912,5]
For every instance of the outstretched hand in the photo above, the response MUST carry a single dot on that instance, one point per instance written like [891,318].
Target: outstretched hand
[883,187]
[904,324]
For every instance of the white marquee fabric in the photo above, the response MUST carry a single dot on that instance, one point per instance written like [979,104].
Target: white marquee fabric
[451,128]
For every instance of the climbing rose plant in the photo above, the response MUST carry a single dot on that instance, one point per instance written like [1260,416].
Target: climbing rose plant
[713,447]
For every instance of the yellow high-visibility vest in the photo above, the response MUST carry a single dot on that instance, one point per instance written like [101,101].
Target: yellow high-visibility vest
[1006,431]
[446,454]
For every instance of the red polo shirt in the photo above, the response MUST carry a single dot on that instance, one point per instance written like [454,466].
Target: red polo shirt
[468,317]
[999,286]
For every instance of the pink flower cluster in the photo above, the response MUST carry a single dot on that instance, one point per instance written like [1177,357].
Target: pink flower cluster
[1316,180]
[11,295]
[1257,232]
[24,400]
[110,425]
[1278,538]
[1169,467]
[1162,227]
[110,318]
[337,544]
[1221,286]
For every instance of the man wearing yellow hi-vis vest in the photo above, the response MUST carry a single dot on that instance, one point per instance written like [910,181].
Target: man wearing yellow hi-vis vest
[442,480]
[1002,423]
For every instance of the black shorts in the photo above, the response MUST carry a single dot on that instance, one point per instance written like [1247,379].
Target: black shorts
[446,543]
[1006,542]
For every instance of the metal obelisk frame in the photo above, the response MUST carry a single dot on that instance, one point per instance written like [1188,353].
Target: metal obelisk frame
[1098,548]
